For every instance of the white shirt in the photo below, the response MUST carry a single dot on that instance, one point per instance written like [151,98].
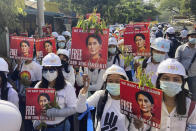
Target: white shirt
[111,106]
[65,98]
[69,76]
[33,72]
[110,62]
[151,70]
[12,95]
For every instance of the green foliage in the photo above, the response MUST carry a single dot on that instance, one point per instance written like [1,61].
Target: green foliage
[92,23]
[9,11]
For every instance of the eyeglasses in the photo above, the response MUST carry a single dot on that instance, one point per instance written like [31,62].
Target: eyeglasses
[51,70]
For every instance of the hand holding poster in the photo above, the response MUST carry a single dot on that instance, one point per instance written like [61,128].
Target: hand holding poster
[137,39]
[36,102]
[143,103]
[21,47]
[89,49]
[44,46]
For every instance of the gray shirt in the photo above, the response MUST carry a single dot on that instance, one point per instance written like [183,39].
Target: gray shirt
[184,54]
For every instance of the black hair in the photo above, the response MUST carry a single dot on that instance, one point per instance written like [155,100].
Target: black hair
[4,89]
[97,37]
[59,83]
[43,94]
[48,42]
[170,35]
[24,41]
[180,98]
[102,100]
[148,95]
[141,35]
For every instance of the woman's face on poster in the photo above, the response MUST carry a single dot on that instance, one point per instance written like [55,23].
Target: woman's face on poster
[43,101]
[93,46]
[144,103]
[140,42]
[25,48]
[48,47]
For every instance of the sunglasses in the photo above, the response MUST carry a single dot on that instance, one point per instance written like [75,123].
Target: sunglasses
[51,70]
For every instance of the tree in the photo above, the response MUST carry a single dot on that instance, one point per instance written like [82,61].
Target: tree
[9,12]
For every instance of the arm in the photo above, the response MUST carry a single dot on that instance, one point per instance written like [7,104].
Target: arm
[178,54]
[13,96]
[72,76]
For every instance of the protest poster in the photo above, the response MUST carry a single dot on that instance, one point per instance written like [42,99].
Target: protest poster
[37,101]
[97,14]
[143,103]
[47,30]
[21,47]
[25,34]
[44,46]
[89,49]
[137,39]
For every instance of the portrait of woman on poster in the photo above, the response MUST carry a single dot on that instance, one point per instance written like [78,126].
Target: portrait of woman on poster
[25,48]
[94,46]
[140,41]
[48,46]
[146,105]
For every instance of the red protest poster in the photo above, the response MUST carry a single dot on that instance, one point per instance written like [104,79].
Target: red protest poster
[137,39]
[97,14]
[21,47]
[25,34]
[89,49]
[47,30]
[143,103]
[44,46]
[36,101]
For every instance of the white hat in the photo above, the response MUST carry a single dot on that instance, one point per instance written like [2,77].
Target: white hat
[63,52]
[60,38]
[171,66]
[170,30]
[3,65]
[154,28]
[183,33]
[112,41]
[55,34]
[11,118]
[121,42]
[160,26]
[67,33]
[161,44]
[114,69]
[51,59]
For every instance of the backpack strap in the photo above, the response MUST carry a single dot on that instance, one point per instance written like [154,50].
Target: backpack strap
[116,58]
[191,108]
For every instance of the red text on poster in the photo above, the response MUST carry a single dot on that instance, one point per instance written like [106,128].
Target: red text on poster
[21,47]
[36,103]
[137,39]
[89,49]
[143,103]
[44,46]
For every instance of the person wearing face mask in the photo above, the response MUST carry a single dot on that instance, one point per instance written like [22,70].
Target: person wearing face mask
[107,102]
[67,35]
[159,49]
[174,42]
[65,94]
[114,55]
[178,112]
[61,42]
[185,54]
[68,71]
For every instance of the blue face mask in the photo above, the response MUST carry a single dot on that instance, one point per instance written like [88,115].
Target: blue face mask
[158,57]
[192,40]
[61,45]
[170,88]
[113,89]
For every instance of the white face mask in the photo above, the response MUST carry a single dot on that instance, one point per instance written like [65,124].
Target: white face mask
[113,89]
[170,88]
[112,50]
[61,45]
[158,57]
[192,40]
[50,76]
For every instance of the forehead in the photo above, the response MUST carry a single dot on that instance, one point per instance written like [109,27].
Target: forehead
[114,76]
[92,39]
[171,75]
